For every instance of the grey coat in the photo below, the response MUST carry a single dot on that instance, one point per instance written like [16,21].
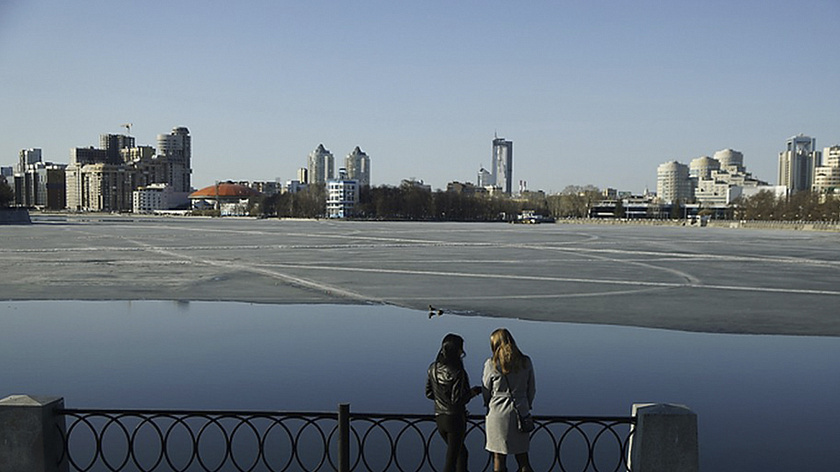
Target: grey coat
[503,436]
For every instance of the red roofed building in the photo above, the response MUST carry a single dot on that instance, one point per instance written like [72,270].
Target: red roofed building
[224,196]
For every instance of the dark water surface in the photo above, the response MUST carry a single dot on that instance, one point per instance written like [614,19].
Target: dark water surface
[763,402]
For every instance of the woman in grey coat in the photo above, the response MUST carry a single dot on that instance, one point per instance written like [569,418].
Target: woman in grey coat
[508,374]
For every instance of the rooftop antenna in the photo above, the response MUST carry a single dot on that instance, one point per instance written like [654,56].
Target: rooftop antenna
[127,127]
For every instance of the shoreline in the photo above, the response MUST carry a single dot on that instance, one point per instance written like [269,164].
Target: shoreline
[827,226]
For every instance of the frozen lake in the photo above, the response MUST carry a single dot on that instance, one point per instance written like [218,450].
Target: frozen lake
[340,316]
[694,279]
[763,402]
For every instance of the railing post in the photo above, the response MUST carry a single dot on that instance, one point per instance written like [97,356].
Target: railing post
[344,437]
[30,437]
[664,439]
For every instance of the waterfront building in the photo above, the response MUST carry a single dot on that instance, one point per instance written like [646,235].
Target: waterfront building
[99,187]
[320,166]
[673,184]
[41,185]
[713,191]
[227,197]
[720,180]
[104,179]
[711,181]
[827,175]
[502,171]
[342,196]
[357,164]
[798,162]
[152,198]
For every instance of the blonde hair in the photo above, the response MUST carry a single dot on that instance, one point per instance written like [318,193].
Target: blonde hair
[506,355]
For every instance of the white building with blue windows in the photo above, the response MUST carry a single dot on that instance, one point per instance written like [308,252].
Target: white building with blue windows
[342,196]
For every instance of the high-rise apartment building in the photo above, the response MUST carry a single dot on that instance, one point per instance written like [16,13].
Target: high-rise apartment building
[27,157]
[99,187]
[673,184]
[827,175]
[798,162]
[175,149]
[357,165]
[320,166]
[503,164]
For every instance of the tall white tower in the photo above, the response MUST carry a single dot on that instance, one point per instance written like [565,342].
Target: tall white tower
[320,165]
[503,164]
[357,164]
[797,163]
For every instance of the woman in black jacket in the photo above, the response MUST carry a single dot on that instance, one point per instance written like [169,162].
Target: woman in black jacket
[448,385]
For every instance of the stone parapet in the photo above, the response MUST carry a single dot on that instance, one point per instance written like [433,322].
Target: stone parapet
[30,437]
[664,439]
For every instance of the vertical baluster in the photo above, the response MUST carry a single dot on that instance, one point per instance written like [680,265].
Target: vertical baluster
[344,437]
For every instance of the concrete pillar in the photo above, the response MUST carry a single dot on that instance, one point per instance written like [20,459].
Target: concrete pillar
[664,439]
[30,436]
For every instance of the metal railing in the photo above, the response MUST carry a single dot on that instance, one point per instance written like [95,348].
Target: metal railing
[210,441]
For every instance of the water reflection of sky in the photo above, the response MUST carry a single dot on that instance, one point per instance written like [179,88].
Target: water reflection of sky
[763,402]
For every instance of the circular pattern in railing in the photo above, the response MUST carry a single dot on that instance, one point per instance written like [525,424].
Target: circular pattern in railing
[156,441]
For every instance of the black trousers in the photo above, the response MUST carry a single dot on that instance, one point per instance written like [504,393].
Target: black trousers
[453,429]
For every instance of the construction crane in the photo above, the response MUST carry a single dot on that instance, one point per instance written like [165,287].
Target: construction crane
[127,127]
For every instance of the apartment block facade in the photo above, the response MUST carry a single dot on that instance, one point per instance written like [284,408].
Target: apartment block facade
[104,179]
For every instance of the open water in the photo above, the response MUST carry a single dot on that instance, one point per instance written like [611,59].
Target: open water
[764,403]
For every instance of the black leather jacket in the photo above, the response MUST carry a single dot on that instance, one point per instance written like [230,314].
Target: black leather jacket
[449,388]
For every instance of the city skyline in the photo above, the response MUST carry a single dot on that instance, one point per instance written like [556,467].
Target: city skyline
[598,93]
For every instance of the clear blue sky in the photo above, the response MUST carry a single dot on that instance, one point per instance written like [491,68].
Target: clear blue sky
[590,92]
